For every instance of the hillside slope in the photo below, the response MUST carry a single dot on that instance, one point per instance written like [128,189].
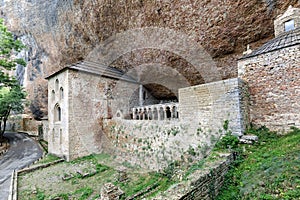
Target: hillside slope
[269,169]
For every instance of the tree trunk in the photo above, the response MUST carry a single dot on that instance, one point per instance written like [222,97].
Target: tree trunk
[4,119]
[1,132]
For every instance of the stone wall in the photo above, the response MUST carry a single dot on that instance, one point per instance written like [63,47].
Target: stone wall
[203,184]
[153,144]
[209,105]
[58,135]
[274,88]
[208,185]
[14,123]
[23,123]
[203,110]
[92,99]
[290,14]
[45,129]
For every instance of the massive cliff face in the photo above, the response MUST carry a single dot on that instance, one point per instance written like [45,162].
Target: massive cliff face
[60,32]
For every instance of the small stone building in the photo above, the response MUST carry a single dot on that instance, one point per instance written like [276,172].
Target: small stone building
[79,97]
[272,73]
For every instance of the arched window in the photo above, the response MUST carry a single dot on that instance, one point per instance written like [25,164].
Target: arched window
[56,84]
[61,93]
[174,112]
[57,113]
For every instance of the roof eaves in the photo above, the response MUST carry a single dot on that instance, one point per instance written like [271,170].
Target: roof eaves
[282,41]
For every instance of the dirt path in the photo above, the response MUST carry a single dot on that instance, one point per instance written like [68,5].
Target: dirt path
[22,152]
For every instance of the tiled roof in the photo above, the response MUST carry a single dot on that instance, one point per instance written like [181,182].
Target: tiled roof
[97,69]
[287,39]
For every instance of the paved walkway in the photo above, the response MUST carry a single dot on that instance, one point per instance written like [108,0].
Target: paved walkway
[22,152]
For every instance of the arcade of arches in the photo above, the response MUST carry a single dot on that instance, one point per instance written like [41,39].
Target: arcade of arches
[156,112]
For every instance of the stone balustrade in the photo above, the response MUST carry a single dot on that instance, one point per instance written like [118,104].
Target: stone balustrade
[156,112]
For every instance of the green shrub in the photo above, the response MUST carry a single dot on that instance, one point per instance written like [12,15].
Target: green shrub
[191,151]
[226,125]
[40,195]
[228,141]
[170,170]
[84,193]
[263,133]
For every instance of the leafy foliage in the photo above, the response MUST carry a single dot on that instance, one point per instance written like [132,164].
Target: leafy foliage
[11,93]
[170,170]
[9,45]
[228,141]
[10,100]
[226,125]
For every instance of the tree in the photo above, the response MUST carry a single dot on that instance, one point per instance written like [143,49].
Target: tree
[10,100]
[11,93]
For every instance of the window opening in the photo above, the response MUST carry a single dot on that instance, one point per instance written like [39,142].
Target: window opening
[56,84]
[61,91]
[289,25]
[57,113]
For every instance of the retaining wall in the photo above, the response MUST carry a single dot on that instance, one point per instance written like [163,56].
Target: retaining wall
[203,184]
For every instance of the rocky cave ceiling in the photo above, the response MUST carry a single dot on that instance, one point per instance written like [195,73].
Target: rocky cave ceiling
[63,32]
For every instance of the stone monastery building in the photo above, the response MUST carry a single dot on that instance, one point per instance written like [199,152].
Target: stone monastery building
[95,108]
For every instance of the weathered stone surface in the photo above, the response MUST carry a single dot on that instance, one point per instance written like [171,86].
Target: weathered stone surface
[272,73]
[279,23]
[203,184]
[111,192]
[248,139]
[274,88]
[208,106]
[62,32]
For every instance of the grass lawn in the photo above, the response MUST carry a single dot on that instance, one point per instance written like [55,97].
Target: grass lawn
[268,170]
[64,182]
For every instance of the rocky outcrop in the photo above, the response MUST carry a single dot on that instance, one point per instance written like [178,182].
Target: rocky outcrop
[61,32]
